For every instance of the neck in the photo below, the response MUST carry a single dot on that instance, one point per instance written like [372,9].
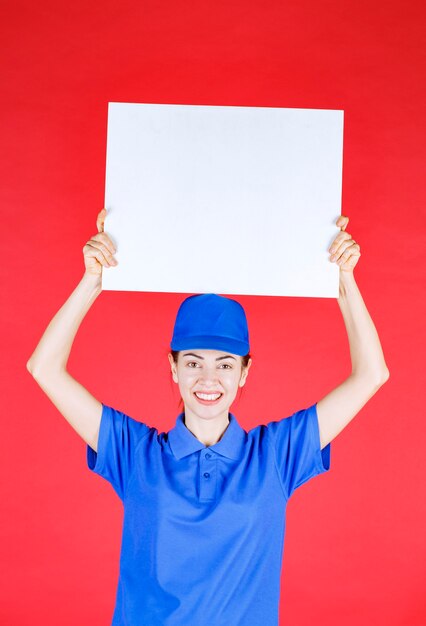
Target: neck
[209,429]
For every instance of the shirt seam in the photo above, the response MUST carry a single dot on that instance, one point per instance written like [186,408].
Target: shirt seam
[134,462]
[316,435]
[272,444]
[100,456]
[101,451]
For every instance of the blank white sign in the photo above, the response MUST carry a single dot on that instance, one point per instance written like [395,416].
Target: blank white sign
[223,199]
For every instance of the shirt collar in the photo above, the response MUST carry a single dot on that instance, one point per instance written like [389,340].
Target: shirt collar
[183,442]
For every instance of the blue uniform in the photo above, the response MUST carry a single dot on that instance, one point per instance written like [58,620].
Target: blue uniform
[204,527]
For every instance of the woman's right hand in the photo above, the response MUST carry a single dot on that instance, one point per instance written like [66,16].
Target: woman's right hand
[99,250]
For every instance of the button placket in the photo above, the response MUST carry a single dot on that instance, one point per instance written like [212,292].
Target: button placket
[208,476]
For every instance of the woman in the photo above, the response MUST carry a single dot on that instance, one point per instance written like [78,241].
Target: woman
[204,504]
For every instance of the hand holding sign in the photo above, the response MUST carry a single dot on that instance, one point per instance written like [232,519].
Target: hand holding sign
[98,251]
[344,250]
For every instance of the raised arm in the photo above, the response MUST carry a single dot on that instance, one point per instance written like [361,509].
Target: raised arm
[48,362]
[369,369]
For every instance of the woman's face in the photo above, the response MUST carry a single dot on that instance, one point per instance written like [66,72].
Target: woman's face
[208,372]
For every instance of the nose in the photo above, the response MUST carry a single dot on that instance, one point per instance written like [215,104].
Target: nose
[209,376]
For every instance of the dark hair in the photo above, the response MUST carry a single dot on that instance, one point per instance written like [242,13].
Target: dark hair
[244,362]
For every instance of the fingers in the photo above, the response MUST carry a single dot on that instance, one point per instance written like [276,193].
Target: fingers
[349,258]
[91,249]
[345,250]
[341,237]
[342,221]
[104,249]
[104,241]
[100,221]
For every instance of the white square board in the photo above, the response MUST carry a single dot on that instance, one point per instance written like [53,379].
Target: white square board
[223,199]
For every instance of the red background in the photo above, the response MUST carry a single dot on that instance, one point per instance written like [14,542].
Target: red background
[355,541]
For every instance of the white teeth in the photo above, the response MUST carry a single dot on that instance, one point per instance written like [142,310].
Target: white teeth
[204,396]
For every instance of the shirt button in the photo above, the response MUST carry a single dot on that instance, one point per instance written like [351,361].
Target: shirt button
[206,475]
[208,455]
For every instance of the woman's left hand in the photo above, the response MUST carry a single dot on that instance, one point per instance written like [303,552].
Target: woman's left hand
[344,250]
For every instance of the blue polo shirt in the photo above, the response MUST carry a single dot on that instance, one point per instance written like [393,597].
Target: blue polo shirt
[203,528]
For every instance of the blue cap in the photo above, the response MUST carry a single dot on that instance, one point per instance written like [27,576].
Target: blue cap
[211,322]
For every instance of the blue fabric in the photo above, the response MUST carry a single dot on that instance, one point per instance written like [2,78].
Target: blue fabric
[204,527]
[211,322]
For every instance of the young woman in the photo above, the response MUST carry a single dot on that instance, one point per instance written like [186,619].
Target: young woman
[204,504]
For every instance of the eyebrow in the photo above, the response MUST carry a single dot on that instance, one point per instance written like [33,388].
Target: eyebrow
[219,358]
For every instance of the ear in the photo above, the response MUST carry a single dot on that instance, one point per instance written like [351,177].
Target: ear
[245,374]
[173,368]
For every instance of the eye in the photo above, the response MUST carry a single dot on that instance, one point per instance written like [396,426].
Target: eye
[195,363]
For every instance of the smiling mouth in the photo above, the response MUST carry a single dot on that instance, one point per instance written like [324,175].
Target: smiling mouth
[208,398]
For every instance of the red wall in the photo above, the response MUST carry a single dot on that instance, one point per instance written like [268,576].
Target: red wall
[355,550]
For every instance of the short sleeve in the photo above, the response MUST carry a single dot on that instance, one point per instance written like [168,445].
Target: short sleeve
[296,441]
[119,436]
